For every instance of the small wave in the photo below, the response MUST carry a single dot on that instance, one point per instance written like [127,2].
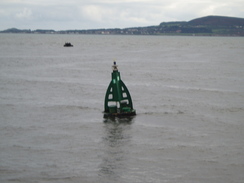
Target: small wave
[59,179]
[213,90]
[71,107]
[162,113]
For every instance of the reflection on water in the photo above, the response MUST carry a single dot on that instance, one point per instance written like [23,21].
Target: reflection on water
[116,141]
[121,120]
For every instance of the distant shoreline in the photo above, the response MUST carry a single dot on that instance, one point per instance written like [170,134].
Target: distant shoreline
[205,26]
[166,34]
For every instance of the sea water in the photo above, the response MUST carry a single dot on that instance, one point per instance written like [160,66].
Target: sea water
[188,93]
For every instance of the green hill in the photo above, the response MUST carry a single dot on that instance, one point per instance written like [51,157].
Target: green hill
[221,25]
[210,25]
[217,21]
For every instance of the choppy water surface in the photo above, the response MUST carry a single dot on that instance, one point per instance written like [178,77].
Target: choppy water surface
[188,93]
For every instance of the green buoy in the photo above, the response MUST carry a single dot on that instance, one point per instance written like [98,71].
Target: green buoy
[117,99]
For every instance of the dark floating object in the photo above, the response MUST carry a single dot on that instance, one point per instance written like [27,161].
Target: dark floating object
[68,45]
[118,101]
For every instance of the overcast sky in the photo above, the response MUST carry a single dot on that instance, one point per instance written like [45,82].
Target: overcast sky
[92,14]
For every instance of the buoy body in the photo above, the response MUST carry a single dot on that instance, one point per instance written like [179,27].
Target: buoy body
[118,100]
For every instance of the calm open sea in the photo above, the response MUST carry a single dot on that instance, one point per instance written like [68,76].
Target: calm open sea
[188,93]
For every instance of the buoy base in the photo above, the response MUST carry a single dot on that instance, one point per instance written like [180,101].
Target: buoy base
[120,115]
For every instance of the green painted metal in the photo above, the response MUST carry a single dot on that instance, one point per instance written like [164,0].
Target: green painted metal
[117,98]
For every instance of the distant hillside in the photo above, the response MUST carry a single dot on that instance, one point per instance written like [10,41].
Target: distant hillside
[217,21]
[209,25]
[14,30]
[205,26]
